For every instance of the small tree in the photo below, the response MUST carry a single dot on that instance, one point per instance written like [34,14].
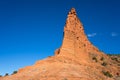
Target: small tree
[14,72]
[108,74]
[6,74]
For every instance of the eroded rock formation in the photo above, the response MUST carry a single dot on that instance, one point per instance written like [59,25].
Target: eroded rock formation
[76,59]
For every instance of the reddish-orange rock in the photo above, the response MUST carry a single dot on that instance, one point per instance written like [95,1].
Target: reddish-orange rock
[75,42]
[76,59]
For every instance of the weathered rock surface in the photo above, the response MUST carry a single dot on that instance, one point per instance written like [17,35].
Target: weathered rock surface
[76,59]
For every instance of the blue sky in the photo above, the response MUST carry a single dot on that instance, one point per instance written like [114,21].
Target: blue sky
[31,30]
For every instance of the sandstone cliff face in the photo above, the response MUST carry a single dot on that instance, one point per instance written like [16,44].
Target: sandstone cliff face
[76,59]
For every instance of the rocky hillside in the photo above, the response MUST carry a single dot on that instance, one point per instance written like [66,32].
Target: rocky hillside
[76,59]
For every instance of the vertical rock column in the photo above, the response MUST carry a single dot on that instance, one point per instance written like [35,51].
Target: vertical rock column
[74,41]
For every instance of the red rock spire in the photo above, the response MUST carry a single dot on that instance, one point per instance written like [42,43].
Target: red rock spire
[72,20]
[74,41]
[72,11]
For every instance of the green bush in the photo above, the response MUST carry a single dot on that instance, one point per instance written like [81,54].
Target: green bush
[118,64]
[6,74]
[102,58]
[108,74]
[115,59]
[104,64]
[14,72]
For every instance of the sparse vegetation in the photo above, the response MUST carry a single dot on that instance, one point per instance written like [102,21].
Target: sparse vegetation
[107,73]
[113,54]
[6,74]
[102,58]
[115,59]
[0,75]
[95,59]
[14,72]
[118,64]
[104,64]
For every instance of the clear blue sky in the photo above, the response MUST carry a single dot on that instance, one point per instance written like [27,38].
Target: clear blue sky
[31,30]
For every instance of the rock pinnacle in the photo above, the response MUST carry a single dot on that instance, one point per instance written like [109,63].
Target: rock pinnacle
[75,41]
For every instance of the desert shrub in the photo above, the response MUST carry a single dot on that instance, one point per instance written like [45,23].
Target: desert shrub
[14,72]
[113,54]
[6,74]
[118,64]
[95,59]
[102,58]
[0,75]
[107,73]
[104,64]
[115,59]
